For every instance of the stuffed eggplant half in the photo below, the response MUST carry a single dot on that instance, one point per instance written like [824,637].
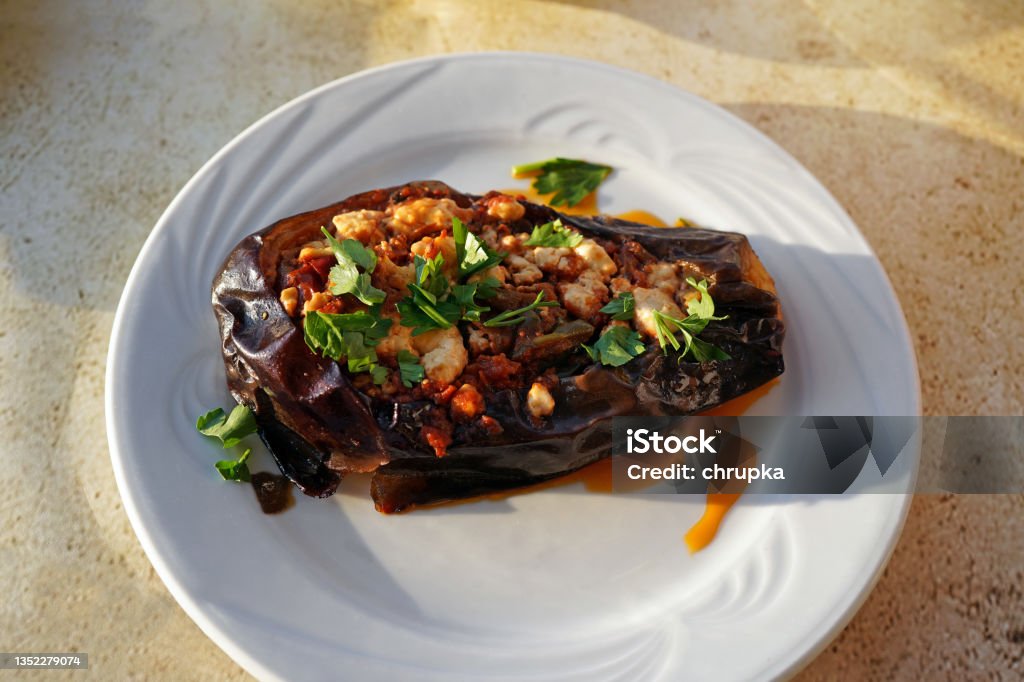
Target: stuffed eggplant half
[457,345]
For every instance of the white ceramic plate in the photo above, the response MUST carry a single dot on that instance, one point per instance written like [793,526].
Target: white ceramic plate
[559,584]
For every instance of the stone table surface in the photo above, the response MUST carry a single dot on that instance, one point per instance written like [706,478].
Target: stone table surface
[910,112]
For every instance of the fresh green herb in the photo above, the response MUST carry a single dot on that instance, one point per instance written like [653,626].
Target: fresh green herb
[472,254]
[423,317]
[349,335]
[666,327]
[622,307]
[464,295]
[701,312]
[554,234]
[361,355]
[342,277]
[363,257]
[433,306]
[487,287]
[428,308]
[514,317]
[345,278]
[230,429]
[429,276]
[235,469]
[366,292]
[616,347]
[703,306]
[325,332]
[379,374]
[410,369]
[459,233]
[431,283]
[570,180]
[434,302]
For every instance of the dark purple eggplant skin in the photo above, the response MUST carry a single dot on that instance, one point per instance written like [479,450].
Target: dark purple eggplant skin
[319,427]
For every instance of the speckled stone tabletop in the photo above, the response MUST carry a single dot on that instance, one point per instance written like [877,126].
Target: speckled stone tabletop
[910,112]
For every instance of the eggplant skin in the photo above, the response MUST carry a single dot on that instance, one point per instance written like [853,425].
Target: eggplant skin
[319,428]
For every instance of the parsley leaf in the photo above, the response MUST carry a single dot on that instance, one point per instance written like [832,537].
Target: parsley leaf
[424,312]
[701,311]
[325,332]
[422,316]
[366,292]
[472,254]
[360,354]
[622,307]
[464,296]
[428,308]
[429,276]
[363,257]
[570,180]
[554,234]
[487,287]
[342,278]
[514,317]
[410,369]
[345,278]
[379,374]
[704,351]
[235,469]
[616,347]
[702,306]
[435,302]
[349,335]
[231,429]
[663,329]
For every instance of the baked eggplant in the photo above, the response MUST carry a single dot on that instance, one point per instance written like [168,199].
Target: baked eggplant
[507,385]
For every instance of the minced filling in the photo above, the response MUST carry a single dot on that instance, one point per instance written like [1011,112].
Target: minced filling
[499,341]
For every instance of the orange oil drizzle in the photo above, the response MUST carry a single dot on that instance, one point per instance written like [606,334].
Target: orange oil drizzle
[588,206]
[740,404]
[703,532]
[642,217]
